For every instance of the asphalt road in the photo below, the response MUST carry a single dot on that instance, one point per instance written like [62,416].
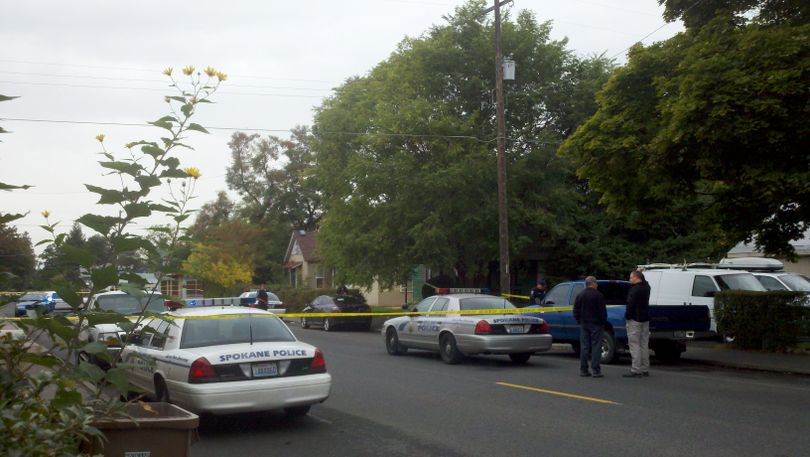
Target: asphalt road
[415,405]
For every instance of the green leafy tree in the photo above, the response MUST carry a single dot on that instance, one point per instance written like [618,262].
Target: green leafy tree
[406,155]
[222,271]
[713,122]
[17,259]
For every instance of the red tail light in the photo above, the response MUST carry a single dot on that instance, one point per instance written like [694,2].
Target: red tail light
[483,328]
[318,364]
[442,291]
[544,327]
[202,371]
[539,328]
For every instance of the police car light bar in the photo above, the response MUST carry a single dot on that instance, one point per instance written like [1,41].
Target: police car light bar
[461,290]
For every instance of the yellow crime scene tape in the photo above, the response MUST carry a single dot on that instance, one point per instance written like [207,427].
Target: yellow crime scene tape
[472,312]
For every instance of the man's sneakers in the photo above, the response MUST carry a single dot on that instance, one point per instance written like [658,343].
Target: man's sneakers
[585,374]
[598,374]
[633,374]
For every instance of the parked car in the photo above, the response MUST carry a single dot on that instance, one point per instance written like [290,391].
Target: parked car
[784,281]
[337,304]
[670,326]
[112,335]
[273,302]
[455,336]
[30,301]
[696,286]
[250,361]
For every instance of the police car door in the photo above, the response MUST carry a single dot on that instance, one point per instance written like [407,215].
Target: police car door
[151,352]
[409,333]
[430,324]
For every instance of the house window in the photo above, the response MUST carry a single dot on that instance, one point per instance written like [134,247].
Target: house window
[170,287]
[194,288]
[319,278]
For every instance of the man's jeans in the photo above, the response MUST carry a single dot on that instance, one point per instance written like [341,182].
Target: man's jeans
[590,347]
[638,337]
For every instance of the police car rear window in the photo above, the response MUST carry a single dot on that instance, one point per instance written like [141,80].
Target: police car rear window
[216,332]
[473,303]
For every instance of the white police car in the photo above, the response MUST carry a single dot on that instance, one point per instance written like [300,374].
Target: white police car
[224,360]
[455,336]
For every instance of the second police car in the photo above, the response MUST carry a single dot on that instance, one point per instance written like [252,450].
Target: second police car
[456,335]
[224,360]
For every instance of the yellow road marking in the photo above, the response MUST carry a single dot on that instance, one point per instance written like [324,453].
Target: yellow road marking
[561,394]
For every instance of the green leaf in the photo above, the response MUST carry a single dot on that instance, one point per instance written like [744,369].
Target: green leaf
[6,218]
[162,208]
[181,218]
[104,277]
[68,294]
[83,256]
[101,224]
[94,348]
[153,150]
[174,173]
[130,244]
[117,377]
[132,278]
[4,186]
[137,210]
[65,399]
[132,169]
[171,162]
[197,127]
[91,371]
[148,181]
[43,360]
[187,109]
[176,98]
[5,98]
[108,196]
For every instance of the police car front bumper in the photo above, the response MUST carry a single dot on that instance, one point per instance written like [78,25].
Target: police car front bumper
[253,395]
[503,344]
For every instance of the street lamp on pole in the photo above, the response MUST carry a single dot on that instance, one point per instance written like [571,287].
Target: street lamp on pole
[503,215]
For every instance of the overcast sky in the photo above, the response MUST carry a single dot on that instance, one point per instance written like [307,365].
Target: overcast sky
[101,61]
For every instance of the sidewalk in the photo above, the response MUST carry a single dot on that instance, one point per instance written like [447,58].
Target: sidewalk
[719,354]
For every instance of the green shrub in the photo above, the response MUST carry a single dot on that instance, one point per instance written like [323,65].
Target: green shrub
[771,321]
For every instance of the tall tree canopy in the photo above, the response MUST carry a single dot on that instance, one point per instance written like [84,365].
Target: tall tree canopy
[406,154]
[17,259]
[714,122]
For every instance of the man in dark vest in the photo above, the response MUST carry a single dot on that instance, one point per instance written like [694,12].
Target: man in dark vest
[261,298]
[637,315]
[590,313]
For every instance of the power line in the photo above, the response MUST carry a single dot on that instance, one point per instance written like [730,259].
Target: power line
[254,129]
[154,89]
[697,2]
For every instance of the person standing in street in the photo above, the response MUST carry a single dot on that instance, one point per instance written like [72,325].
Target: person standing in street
[590,313]
[538,293]
[637,315]
[261,298]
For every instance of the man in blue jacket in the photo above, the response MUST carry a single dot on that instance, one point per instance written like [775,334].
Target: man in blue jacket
[637,315]
[590,313]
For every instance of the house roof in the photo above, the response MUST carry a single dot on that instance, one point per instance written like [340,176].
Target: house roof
[802,247]
[307,242]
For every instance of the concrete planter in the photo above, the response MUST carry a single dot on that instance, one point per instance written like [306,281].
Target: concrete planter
[156,430]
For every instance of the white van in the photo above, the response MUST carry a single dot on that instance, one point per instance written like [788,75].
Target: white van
[695,286]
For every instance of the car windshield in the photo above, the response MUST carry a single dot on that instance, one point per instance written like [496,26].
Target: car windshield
[798,283]
[217,332]
[742,281]
[473,303]
[32,297]
[127,304]
[272,297]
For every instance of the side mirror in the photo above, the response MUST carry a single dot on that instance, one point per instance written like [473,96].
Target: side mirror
[549,302]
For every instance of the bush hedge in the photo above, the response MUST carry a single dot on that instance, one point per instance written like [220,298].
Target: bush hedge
[772,321]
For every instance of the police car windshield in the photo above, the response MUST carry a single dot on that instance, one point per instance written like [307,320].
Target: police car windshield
[473,303]
[127,304]
[217,332]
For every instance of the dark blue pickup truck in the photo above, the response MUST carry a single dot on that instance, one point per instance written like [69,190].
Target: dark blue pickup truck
[670,326]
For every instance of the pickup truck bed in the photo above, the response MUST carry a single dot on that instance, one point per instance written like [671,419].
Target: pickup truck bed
[670,326]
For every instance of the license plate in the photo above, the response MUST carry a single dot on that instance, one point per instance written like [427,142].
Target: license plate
[261,370]
[516,328]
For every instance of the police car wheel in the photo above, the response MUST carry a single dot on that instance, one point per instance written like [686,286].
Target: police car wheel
[449,351]
[161,391]
[392,343]
[297,411]
[521,357]
[304,322]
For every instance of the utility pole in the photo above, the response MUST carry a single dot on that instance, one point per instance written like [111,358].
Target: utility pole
[503,214]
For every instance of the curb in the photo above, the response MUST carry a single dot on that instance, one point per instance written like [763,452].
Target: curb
[745,367]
